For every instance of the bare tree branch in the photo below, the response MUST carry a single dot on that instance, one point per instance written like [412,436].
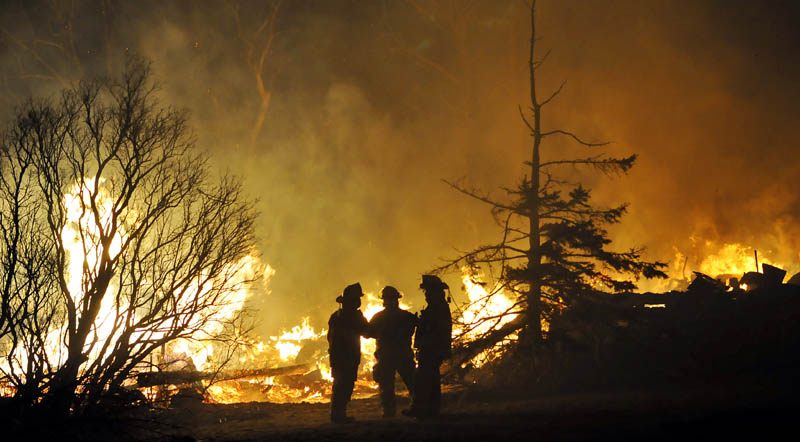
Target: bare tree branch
[574,137]
[554,94]
[484,198]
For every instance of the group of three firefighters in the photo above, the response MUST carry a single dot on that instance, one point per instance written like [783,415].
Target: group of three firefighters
[392,329]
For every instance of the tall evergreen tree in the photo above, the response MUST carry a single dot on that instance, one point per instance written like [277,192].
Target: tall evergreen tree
[554,248]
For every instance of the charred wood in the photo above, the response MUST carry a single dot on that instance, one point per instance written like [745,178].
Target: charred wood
[187,377]
[705,284]
[773,275]
[469,350]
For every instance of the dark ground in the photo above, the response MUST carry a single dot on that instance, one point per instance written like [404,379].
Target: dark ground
[756,411]
[711,366]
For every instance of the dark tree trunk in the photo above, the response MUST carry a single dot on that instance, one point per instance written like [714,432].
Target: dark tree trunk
[534,296]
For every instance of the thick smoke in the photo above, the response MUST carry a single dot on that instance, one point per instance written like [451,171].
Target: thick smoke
[372,104]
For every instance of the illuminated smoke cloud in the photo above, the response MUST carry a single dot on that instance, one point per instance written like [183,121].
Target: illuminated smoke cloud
[373,103]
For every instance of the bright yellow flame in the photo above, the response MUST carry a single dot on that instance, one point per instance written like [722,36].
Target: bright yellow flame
[285,347]
[231,303]
[81,240]
[326,372]
[199,354]
[731,259]
[289,343]
[718,260]
[489,310]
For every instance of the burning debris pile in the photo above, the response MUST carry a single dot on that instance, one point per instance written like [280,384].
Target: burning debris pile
[734,272]
[293,367]
[736,323]
[719,329]
[600,328]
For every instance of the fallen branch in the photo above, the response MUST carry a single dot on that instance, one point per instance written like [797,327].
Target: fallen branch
[467,352]
[187,377]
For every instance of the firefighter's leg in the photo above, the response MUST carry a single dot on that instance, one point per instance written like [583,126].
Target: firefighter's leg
[406,369]
[383,373]
[343,382]
[338,404]
[422,388]
[436,388]
[428,391]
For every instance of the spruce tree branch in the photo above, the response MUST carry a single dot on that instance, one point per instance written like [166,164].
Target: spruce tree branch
[525,120]
[574,137]
[554,94]
[588,160]
[551,181]
[549,216]
[530,5]
[605,165]
[523,234]
[537,64]
[576,216]
[484,198]
[486,254]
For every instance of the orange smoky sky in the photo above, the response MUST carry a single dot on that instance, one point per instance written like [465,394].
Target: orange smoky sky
[366,106]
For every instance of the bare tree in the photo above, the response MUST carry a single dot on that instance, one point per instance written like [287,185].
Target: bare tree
[26,271]
[553,249]
[142,245]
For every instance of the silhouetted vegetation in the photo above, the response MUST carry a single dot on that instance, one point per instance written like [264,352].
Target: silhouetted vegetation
[116,240]
[554,250]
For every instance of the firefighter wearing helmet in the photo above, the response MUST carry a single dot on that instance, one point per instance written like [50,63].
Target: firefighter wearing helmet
[345,328]
[432,341]
[392,329]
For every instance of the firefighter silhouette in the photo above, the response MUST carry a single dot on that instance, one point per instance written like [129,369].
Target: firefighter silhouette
[345,328]
[432,341]
[392,329]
